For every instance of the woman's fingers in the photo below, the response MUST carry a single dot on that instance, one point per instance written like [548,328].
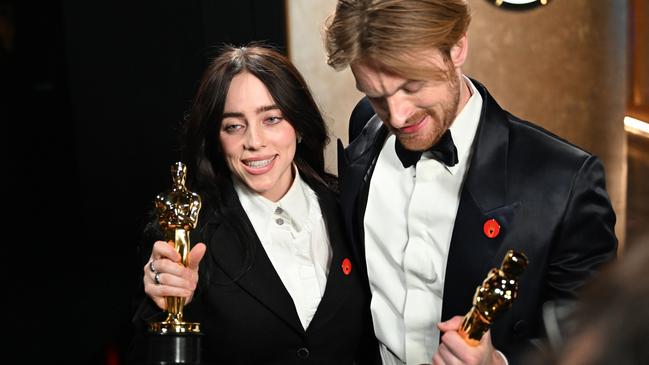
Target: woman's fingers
[196,255]
[165,276]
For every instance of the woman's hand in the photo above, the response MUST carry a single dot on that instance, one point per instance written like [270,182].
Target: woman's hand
[165,276]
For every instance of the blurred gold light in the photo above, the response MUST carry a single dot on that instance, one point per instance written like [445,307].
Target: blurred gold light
[636,126]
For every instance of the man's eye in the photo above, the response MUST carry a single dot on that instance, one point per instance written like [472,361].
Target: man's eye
[413,87]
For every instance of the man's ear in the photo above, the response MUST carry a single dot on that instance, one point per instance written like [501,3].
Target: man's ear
[460,51]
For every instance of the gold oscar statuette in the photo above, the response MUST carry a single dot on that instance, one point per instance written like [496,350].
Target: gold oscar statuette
[493,297]
[177,211]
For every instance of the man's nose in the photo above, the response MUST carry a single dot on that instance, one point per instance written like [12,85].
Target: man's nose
[399,109]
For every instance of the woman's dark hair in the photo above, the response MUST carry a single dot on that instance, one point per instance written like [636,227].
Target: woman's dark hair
[201,147]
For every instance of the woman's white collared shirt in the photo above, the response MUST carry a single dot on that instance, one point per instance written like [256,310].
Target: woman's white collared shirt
[293,234]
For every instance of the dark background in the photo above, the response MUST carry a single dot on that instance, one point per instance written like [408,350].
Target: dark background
[92,94]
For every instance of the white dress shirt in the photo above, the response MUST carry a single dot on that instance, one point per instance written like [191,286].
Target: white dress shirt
[408,226]
[293,234]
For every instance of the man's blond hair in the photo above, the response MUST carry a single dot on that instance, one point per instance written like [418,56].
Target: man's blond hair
[392,32]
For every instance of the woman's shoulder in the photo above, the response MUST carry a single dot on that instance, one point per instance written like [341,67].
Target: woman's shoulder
[325,186]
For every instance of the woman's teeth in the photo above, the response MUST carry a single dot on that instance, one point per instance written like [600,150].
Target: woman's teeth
[259,163]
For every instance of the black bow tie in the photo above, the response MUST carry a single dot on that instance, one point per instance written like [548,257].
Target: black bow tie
[443,151]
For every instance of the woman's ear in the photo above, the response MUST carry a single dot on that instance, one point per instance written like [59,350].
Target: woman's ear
[459,51]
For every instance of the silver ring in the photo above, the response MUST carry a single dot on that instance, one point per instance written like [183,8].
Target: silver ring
[156,278]
[151,266]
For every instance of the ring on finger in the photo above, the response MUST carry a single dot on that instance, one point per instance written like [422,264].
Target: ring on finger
[151,266]
[156,278]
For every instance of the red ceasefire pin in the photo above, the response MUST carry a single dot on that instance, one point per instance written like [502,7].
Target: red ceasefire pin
[491,228]
[347,266]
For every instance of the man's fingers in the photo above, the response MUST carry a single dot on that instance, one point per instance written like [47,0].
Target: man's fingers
[454,341]
[437,359]
[454,347]
[446,355]
[452,324]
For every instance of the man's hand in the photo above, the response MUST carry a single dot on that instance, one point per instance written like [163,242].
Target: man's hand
[454,350]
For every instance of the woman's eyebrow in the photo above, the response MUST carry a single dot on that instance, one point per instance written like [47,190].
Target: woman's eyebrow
[259,110]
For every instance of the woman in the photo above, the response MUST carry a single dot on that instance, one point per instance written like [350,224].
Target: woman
[276,283]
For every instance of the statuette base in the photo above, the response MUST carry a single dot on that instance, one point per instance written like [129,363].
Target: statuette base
[162,328]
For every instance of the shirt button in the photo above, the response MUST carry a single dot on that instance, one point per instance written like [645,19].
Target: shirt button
[303,353]
[279,221]
[279,211]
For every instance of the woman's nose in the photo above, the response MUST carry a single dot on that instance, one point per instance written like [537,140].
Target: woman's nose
[255,138]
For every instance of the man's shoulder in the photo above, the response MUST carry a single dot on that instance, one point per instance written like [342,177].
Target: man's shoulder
[361,114]
[372,133]
[529,136]
[542,143]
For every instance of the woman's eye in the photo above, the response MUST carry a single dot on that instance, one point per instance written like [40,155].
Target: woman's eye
[274,119]
[232,128]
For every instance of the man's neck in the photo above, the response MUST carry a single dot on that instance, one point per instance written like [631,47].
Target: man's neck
[465,93]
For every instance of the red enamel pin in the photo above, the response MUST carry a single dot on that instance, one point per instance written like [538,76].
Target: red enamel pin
[347,266]
[491,228]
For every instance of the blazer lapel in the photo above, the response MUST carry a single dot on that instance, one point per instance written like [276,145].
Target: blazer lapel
[338,284]
[227,250]
[484,196]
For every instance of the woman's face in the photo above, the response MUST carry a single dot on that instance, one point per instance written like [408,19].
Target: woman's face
[258,143]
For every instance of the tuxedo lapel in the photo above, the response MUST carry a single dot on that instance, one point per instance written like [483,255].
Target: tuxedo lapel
[355,165]
[484,196]
[487,176]
[227,249]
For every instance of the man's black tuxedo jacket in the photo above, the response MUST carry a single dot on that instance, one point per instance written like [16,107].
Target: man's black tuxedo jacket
[246,312]
[548,196]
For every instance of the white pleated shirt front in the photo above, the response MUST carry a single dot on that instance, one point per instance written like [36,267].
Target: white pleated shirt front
[408,225]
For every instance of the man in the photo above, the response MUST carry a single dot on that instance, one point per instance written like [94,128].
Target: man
[441,183]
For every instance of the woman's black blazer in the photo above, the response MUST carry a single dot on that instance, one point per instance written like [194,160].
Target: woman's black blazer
[247,314]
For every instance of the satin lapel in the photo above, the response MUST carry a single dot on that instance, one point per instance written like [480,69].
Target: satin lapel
[487,176]
[355,166]
[227,250]
[338,284]
[483,197]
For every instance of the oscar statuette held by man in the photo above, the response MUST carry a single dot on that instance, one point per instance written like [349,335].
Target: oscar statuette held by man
[175,341]
[496,294]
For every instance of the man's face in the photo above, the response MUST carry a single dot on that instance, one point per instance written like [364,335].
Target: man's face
[418,112]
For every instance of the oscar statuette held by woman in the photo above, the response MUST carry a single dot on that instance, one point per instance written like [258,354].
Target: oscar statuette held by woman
[174,340]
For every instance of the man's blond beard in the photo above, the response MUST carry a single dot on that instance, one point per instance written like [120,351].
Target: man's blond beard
[449,111]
